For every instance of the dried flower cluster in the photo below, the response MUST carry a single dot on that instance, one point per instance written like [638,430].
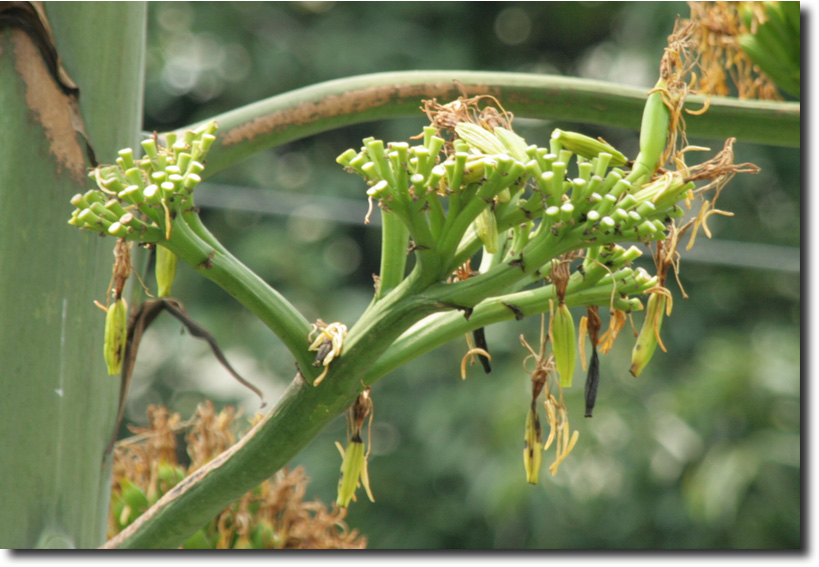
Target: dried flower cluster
[748,46]
[273,516]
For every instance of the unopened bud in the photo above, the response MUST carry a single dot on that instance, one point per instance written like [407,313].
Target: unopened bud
[480,138]
[116,333]
[487,228]
[351,468]
[649,335]
[166,262]
[588,147]
[563,344]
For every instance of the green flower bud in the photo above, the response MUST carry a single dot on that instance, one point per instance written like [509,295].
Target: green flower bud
[480,138]
[513,144]
[263,536]
[134,177]
[166,262]
[190,181]
[116,334]
[183,161]
[474,170]
[132,194]
[379,190]
[351,468]
[649,335]
[149,146]
[653,132]
[159,177]
[563,344]
[127,156]
[118,229]
[487,228]
[346,157]
[588,147]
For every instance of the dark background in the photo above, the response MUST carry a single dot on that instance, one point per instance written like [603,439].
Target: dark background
[701,452]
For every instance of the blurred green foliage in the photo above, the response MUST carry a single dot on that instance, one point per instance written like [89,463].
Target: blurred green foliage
[702,451]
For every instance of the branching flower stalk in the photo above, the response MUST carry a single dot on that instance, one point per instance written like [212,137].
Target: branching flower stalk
[550,228]
[150,200]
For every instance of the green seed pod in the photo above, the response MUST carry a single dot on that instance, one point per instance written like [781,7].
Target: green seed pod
[588,147]
[532,446]
[165,270]
[647,340]
[564,344]
[116,333]
[351,468]
[653,132]
[487,228]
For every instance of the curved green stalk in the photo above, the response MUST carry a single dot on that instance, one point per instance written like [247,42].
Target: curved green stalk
[220,266]
[439,329]
[298,417]
[384,337]
[372,348]
[394,242]
[325,106]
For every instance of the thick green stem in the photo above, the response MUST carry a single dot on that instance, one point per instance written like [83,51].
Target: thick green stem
[302,412]
[437,330]
[221,267]
[59,406]
[384,338]
[394,243]
[318,108]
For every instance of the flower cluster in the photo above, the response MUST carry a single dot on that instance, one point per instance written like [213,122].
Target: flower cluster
[137,199]
[473,186]
[491,187]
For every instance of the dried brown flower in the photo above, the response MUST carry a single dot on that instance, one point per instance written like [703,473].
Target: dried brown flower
[723,63]
[274,515]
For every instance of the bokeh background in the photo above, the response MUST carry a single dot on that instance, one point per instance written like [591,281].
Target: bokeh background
[701,452]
